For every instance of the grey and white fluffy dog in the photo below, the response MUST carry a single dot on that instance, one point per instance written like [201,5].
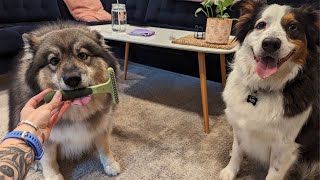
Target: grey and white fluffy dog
[67,56]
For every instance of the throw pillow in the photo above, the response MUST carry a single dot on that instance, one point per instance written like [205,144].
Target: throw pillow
[87,10]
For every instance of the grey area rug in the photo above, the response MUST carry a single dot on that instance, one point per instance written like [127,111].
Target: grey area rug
[158,133]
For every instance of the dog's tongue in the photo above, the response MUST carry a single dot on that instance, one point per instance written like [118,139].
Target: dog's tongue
[266,66]
[82,101]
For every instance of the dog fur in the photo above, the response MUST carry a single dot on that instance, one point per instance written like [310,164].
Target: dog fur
[282,129]
[51,54]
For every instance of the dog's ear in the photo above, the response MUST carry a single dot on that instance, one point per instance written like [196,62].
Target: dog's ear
[100,39]
[311,17]
[108,56]
[249,10]
[30,41]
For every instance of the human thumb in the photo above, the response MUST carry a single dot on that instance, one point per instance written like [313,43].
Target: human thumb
[56,100]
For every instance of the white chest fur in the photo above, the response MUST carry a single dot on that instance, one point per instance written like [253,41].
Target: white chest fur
[73,140]
[76,138]
[262,126]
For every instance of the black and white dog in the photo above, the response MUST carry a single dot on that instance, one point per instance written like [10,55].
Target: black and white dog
[272,93]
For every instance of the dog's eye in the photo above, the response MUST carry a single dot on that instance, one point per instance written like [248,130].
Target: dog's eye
[83,56]
[54,61]
[261,25]
[293,27]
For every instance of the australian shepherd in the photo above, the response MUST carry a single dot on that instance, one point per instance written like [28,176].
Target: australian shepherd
[272,93]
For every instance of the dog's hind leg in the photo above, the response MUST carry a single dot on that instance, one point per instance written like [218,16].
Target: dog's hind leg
[282,157]
[233,167]
[49,162]
[110,165]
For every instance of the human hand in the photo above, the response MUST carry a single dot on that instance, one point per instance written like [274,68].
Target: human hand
[45,116]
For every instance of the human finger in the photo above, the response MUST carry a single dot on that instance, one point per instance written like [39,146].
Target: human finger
[57,116]
[37,99]
[55,102]
[56,110]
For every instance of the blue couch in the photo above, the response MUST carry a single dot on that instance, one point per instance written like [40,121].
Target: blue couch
[21,16]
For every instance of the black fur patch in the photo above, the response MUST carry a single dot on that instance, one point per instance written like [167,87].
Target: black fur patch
[309,18]
[303,91]
[250,11]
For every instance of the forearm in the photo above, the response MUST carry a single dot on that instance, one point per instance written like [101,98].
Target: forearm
[16,158]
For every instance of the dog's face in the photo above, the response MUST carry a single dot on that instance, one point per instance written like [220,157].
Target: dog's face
[277,37]
[67,58]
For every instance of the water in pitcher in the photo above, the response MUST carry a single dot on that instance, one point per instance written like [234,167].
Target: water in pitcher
[119,17]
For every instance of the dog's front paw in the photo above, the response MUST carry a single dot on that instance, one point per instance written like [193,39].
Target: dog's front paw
[112,169]
[54,177]
[227,174]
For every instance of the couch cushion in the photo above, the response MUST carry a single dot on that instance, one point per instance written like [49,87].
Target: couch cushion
[11,37]
[6,63]
[88,10]
[136,9]
[10,41]
[12,11]
[173,14]
[64,11]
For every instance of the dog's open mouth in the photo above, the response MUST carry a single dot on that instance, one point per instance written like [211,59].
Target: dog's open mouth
[267,66]
[82,101]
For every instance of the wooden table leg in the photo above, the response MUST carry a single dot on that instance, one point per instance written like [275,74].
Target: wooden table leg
[204,93]
[126,57]
[223,70]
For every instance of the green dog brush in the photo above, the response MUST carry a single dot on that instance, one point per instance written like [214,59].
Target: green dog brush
[109,87]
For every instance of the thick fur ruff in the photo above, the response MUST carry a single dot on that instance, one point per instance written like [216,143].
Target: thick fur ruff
[282,129]
[67,56]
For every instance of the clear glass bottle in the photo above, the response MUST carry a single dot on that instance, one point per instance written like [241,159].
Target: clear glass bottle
[119,17]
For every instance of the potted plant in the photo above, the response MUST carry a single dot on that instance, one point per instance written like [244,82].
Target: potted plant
[219,28]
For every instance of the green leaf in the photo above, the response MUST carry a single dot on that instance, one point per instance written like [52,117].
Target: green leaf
[217,2]
[203,3]
[220,3]
[207,3]
[218,10]
[199,10]
[226,15]
[227,3]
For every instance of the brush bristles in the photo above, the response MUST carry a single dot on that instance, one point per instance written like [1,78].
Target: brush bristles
[114,86]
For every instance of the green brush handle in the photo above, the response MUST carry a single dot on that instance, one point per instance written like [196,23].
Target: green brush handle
[68,95]
[109,87]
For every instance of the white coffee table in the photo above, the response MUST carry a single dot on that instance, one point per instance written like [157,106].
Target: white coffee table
[163,38]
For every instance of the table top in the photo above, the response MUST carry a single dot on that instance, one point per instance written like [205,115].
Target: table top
[162,38]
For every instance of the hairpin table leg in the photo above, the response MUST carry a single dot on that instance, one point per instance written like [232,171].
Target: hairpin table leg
[223,69]
[126,57]
[204,93]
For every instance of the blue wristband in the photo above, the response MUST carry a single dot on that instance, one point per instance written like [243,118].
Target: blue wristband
[30,139]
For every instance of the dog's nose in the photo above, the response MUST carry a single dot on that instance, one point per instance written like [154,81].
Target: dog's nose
[271,44]
[72,81]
